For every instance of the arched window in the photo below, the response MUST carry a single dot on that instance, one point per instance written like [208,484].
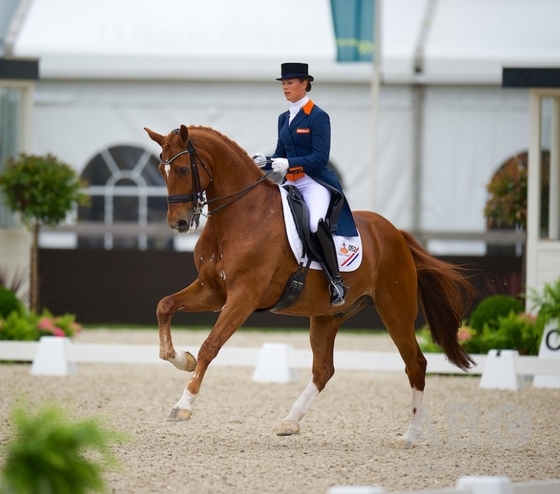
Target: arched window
[124,186]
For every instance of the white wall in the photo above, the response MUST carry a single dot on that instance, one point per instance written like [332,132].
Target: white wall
[467,132]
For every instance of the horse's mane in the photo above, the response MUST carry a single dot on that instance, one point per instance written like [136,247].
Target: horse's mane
[231,143]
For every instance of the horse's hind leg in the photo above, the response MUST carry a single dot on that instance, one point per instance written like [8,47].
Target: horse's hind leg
[322,333]
[399,321]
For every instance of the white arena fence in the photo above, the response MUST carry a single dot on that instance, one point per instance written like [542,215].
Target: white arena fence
[273,362]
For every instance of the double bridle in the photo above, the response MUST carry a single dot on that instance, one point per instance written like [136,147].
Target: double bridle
[198,195]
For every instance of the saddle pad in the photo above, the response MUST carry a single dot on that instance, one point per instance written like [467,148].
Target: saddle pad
[348,249]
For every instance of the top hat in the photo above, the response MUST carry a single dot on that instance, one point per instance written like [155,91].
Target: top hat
[294,70]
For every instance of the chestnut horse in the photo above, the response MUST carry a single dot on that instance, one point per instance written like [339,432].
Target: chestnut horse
[244,260]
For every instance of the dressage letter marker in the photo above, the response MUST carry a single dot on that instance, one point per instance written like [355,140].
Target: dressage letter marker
[549,349]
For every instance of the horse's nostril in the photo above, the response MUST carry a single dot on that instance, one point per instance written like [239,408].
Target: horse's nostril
[181,224]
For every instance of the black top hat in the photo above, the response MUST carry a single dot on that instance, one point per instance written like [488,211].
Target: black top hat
[295,70]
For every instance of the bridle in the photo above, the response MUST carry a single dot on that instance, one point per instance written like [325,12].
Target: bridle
[198,195]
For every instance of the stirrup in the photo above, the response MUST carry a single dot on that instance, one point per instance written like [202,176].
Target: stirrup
[337,293]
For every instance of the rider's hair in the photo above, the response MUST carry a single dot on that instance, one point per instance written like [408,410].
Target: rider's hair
[308,87]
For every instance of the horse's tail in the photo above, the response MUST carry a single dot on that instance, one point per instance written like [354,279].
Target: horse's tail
[445,294]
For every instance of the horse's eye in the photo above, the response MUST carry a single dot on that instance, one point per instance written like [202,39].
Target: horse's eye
[183,170]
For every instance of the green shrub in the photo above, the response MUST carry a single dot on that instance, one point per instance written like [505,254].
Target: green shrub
[9,303]
[51,454]
[464,335]
[31,326]
[547,303]
[512,332]
[19,327]
[499,322]
[490,309]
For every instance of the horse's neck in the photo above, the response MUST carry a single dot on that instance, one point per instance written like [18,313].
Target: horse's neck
[229,194]
[234,202]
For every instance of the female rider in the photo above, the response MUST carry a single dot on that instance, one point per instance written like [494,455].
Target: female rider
[302,153]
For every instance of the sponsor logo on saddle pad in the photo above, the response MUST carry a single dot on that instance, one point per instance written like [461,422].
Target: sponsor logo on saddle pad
[348,249]
[347,253]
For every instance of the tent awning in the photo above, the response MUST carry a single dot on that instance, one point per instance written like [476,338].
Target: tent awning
[468,41]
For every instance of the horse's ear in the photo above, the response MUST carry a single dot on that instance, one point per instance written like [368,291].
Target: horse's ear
[184,133]
[154,136]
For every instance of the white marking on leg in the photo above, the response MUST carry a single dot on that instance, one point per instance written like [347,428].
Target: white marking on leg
[415,427]
[300,407]
[186,400]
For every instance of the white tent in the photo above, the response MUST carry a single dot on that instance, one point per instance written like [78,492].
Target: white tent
[109,68]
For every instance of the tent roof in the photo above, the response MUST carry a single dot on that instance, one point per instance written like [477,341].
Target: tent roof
[468,41]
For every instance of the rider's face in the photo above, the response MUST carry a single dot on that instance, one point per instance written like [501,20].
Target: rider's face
[294,89]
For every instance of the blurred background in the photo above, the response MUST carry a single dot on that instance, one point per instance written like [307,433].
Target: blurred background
[422,123]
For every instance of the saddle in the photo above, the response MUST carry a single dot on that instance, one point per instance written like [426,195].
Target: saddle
[296,282]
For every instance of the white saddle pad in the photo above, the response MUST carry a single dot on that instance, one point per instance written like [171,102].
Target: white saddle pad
[348,249]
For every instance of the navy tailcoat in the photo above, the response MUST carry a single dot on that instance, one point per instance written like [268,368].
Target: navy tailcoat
[306,142]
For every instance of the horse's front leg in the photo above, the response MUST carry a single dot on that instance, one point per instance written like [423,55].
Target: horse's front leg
[233,315]
[322,333]
[197,297]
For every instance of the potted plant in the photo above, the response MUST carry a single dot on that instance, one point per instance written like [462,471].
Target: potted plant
[43,190]
[507,193]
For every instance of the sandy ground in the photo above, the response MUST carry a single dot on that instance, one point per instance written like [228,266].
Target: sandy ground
[348,437]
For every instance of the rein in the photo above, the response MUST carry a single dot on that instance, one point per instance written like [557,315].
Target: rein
[198,195]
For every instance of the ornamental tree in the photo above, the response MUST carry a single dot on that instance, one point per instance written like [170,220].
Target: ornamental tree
[507,193]
[43,190]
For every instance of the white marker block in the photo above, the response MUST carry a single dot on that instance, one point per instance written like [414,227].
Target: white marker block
[273,364]
[51,358]
[355,489]
[485,485]
[499,371]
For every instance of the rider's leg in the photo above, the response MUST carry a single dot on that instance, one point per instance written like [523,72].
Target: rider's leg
[317,199]
[326,244]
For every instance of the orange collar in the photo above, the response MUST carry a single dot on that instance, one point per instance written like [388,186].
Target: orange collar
[308,107]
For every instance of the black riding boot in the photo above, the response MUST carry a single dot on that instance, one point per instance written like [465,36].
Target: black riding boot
[325,244]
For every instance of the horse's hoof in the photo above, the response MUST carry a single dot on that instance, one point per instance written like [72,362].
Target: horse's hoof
[405,443]
[288,428]
[191,362]
[179,415]
[183,361]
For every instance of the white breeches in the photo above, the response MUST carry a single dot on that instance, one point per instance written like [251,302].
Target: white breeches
[316,197]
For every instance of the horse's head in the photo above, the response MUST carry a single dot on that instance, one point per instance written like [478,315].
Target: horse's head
[186,177]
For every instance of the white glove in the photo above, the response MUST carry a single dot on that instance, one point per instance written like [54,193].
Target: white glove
[280,165]
[260,160]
